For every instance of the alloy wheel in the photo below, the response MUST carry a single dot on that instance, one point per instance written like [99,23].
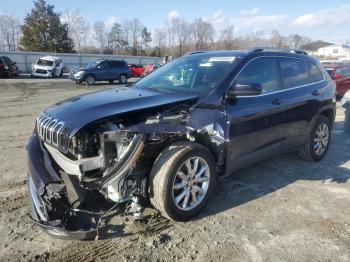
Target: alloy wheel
[321,139]
[191,183]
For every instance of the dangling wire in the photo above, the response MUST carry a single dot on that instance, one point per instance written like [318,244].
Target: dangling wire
[100,219]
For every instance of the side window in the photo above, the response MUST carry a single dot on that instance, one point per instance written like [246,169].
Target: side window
[293,72]
[102,65]
[346,71]
[315,75]
[262,71]
[7,60]
[339,71]
[115,64]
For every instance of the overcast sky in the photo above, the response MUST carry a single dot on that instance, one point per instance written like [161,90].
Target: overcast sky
[320,20]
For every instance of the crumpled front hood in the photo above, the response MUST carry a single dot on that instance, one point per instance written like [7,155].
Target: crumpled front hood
[77,112]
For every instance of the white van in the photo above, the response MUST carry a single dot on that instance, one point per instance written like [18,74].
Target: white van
[48,66]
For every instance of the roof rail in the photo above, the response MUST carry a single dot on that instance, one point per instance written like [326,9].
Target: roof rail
[195,52]
[276,49]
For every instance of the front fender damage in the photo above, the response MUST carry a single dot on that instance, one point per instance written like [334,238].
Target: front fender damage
[114,173]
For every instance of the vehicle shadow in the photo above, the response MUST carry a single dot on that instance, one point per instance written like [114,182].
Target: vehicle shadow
[269,176]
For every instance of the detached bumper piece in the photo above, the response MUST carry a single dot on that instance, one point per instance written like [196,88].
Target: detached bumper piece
[55,228]
[49,209]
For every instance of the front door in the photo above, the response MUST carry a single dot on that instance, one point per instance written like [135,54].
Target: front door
[255,121]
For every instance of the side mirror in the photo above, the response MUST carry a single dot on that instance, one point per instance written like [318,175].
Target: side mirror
[244,89]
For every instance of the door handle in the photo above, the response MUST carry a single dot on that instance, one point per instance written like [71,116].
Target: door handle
[278,101]
[315,93]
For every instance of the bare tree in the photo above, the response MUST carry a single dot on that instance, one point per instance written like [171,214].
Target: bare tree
[203,33]
[297,41]
[134,32]
[227,39]
[10,31]
[78,28]
[277,40]
[159,39]
[100,34]
[180,29]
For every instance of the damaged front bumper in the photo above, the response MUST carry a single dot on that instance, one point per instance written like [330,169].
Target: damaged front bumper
[40,174]
[47,189]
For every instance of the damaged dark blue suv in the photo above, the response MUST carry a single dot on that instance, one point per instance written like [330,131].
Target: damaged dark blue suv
[167,137]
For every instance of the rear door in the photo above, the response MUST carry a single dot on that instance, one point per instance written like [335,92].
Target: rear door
[346,74]
[301,83]
[255,122]
[114,69]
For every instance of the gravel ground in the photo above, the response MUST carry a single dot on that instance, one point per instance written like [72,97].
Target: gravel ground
[281,209]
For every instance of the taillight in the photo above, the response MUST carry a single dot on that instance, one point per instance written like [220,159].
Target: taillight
[2,66]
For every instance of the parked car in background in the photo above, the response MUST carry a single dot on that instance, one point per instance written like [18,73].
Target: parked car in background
[8,67]
[136,70]
[150,68]
[340,73]
[168,136]
[47,66]
[102,70]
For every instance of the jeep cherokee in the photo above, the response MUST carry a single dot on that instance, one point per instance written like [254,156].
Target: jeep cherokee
[167,137]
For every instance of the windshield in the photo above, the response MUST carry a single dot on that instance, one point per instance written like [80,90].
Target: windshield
[44,62]
[196,73]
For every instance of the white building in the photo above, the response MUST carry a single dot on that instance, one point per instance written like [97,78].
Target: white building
[328,51]
[334,51]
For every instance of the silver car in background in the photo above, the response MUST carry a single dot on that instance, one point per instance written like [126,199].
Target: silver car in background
[47,66]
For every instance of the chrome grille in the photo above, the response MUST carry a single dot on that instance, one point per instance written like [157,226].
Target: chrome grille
[51,130]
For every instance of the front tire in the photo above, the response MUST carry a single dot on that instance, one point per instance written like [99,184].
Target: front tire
[90,80]
[318,142]
[182,180]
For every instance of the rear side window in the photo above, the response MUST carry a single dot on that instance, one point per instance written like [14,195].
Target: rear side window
[315,75]
[346,71]
[114,64]
[262,71]
[293,72]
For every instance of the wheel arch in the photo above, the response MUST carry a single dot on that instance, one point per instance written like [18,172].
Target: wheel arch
[327,111]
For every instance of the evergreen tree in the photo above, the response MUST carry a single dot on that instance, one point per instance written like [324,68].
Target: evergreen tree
[43,31]
[146,38]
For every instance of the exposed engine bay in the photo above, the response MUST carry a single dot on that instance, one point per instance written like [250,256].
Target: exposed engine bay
[106,164]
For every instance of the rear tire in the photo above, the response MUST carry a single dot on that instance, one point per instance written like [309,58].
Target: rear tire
[123,79]
[176,193]
[318,142]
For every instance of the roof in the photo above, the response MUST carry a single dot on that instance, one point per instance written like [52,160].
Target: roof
[49,58]
[257,51]
[314,46]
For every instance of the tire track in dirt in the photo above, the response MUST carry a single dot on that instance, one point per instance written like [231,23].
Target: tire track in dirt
[104,249]
[10,204]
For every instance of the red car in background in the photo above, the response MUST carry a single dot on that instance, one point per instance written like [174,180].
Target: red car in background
[340,73]
[136,70]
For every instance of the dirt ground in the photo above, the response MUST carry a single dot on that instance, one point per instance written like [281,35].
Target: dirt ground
[283,209]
